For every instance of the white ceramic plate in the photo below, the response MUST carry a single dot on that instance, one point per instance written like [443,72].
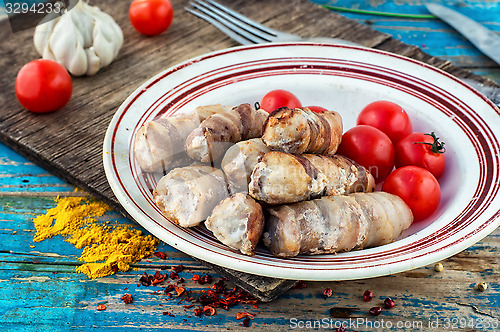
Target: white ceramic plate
[345,79]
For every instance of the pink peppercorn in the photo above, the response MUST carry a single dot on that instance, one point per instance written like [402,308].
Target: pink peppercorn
[389,303]
[367,296]
[327,292]
[375,311]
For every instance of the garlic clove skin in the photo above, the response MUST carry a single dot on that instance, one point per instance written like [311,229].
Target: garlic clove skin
[84,39]
[66,46]
[41,38]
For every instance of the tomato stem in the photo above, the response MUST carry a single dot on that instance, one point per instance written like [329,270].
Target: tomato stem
[436,146]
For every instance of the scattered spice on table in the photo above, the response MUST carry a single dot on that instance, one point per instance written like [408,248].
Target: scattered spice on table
[482,286]
[70,214]
[205,279]
[127,298]
[246,322]
[327,293]
[241,315]
[367,295]
[107,249]
[101,307]
[160,254]
[177,268]
[375,311]
[215,296]
[209,311]
[179,290]
[299,285]
[389,303]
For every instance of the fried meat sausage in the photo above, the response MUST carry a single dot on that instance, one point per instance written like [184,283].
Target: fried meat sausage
[240,160]
[336,223]
[242,227]
[159,144]
[210,140]
[280,177]
[301,130]
[187,195]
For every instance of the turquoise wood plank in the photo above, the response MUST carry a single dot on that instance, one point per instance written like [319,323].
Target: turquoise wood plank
[17,233]
[50,289]
[17,174]
[75,305]
[63,301]
[16,214]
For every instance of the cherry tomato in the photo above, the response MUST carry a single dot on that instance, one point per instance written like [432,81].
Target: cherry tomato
[151,17]
[43,86]
[279,98]
[424,150]
[370,148]
[387,116]
[417,187]
[317,109]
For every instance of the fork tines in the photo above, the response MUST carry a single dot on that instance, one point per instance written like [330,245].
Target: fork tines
[239,27]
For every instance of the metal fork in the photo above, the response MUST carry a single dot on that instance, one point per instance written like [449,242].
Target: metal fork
[244,30]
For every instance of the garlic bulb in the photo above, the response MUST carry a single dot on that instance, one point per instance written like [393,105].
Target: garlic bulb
[84,39]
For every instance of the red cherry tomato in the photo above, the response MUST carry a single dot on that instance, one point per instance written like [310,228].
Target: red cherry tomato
[151,17]
[43,86]
[424,150]
[370,148]
[317,109]
[417,187]
[279,98]
[387,116]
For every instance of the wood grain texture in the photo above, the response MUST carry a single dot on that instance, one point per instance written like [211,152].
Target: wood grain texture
[41,290]
[69,142]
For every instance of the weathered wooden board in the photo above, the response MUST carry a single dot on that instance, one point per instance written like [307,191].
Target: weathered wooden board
[68,142]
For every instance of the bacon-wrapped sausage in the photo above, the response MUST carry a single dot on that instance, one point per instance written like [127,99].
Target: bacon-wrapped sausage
[280,177]
[335,224]
[238,222]
[159,144]
[300,130]
[187,195]
[240,160]
[210,140]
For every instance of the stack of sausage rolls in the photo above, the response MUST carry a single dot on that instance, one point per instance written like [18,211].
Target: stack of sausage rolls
[250,176]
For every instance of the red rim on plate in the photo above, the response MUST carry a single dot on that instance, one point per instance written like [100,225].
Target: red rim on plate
[339,77]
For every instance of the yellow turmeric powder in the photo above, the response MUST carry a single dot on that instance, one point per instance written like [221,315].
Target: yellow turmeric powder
[68,216]
[107,249]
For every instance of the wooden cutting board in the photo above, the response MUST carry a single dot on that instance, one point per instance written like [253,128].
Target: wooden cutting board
[68,142]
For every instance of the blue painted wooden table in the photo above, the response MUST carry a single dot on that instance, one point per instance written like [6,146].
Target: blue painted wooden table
[41,291]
